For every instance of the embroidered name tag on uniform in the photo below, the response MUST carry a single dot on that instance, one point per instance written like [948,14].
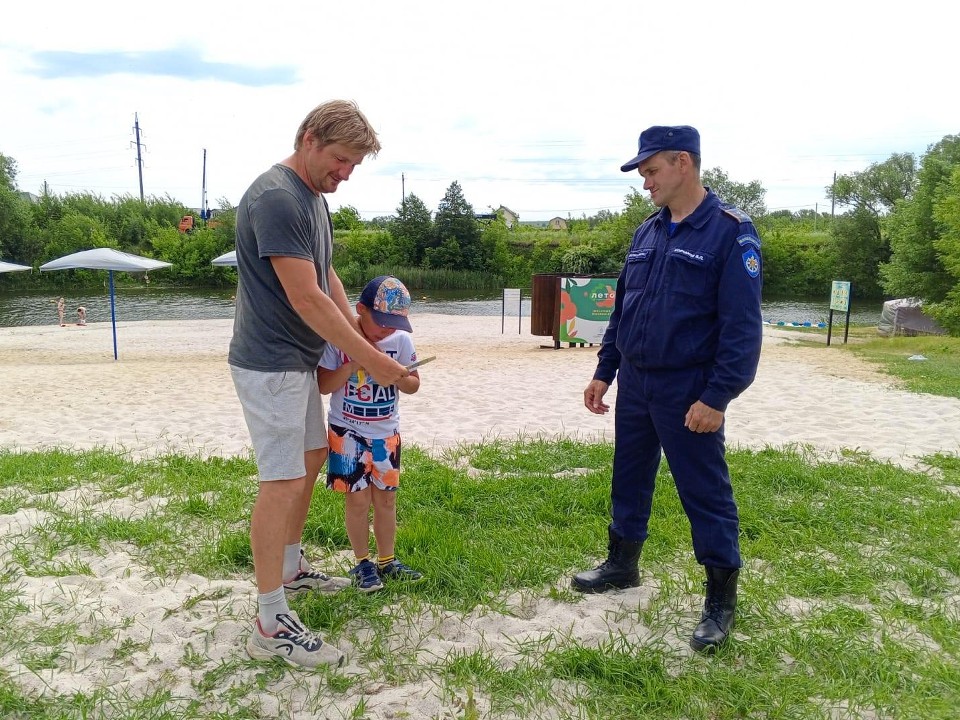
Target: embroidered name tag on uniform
[689,255]
[751,261]
[749,240]
[639,254]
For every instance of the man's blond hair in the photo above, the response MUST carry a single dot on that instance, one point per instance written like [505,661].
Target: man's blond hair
[339,121]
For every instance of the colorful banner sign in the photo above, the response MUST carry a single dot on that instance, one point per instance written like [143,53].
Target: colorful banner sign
[585,308]
[840,295]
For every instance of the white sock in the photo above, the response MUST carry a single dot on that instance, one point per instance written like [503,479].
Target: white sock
[291,561]
[269,606]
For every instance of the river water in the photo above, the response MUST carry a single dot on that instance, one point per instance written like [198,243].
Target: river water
[40,308]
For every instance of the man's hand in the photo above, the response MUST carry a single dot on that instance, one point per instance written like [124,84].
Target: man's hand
[702,418]
[593,397]
[384,369]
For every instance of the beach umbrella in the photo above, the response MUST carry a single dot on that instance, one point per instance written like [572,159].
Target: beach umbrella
[13,267]
[228,258]
[110,260]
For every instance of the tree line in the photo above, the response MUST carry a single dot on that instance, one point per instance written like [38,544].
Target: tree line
[897,234]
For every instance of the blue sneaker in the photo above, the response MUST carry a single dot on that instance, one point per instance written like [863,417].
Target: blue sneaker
[365,577]
[396,570]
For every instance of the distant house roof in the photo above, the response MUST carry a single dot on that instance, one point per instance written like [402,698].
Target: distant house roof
[30,196]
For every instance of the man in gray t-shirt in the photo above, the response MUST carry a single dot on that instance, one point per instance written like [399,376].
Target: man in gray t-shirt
[290,303]
[268,333]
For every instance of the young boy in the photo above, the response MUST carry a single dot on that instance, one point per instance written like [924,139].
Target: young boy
[364,432]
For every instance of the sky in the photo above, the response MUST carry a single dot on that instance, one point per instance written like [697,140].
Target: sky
[530,105]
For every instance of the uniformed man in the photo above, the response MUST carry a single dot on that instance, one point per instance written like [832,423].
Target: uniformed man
[683,341]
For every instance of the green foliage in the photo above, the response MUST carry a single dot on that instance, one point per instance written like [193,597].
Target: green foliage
[878,188]
[75,231]
[946,211]
[14,225]
[856,250]
[621,227]
[412,230]
[190,254]
[916,268]
[795,263]
[587,259]
[346,218]
[8,172]
[493,243]
[746,196]
[457,237]
[362,247]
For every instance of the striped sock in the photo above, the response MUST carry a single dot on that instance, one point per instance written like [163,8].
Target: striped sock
[385,560]
[361,559]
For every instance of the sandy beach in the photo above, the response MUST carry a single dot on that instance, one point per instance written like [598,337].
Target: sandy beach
[170,391]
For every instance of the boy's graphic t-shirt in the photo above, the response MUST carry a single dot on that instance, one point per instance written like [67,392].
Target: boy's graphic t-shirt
[370,409]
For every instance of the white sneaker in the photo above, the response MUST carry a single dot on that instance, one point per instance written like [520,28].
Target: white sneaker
[293,643]
[310,579]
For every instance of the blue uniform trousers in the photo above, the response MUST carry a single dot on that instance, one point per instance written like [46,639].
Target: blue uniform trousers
[649,414]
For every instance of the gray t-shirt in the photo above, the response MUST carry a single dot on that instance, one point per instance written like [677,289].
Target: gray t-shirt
[277,216]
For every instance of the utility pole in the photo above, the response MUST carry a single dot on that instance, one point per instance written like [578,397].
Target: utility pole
[136,129]
[833,193]
[403,192]
[203,202]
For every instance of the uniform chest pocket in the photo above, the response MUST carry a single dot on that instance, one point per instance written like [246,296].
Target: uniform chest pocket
[689,271]
[638,264]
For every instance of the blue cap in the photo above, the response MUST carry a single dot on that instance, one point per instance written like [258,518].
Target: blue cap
[664,137]
[389,302]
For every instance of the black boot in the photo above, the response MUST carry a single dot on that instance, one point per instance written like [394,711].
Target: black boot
[718,609]
[618,571]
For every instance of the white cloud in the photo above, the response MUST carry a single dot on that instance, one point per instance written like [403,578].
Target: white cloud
[531,105]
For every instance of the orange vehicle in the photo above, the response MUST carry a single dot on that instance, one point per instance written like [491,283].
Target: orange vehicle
[187,224]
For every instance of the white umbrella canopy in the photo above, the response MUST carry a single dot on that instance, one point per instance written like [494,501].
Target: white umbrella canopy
[106,259]
[13,267]
[228,258]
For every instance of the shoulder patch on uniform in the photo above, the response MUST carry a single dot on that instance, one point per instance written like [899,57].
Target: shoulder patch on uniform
[751,262]
[735,212]
[745,240]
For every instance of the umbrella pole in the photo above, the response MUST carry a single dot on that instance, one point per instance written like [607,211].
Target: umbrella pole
[113,316]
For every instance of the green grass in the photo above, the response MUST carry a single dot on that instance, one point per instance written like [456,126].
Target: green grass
[848,603]
[939,374]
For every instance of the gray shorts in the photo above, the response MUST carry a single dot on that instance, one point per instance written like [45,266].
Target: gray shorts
[284,414]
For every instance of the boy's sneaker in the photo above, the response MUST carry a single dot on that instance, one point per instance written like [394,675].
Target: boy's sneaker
[293,643]
[396,570]
[365,577]
[310,579]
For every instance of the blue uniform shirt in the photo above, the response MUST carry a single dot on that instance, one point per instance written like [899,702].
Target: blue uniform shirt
[690,299]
